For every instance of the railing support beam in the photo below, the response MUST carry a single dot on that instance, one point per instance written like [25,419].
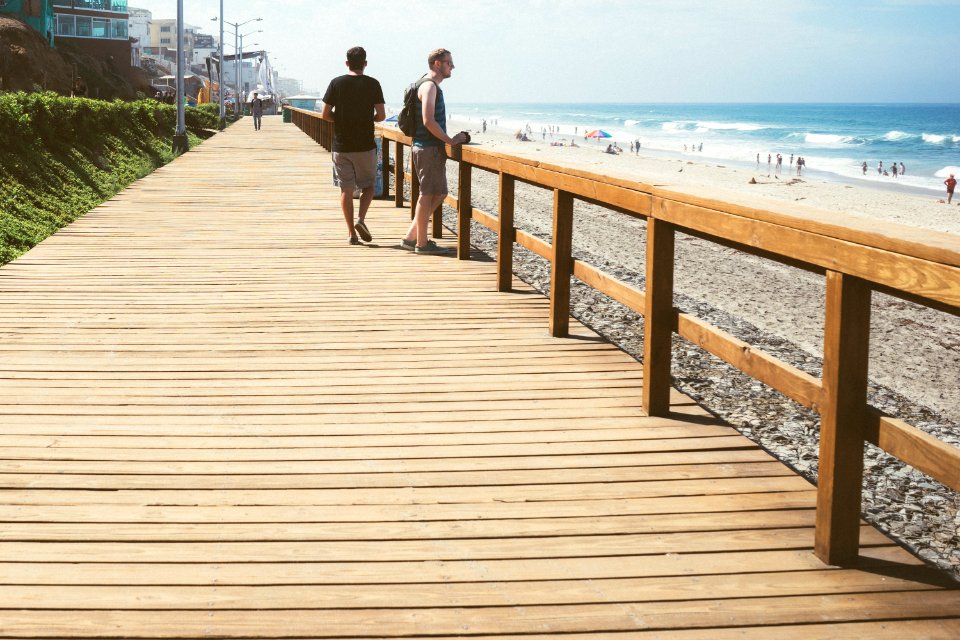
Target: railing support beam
[398,174]
[846,352]
[505,233]
[658,317]
[464,210]
[561,267]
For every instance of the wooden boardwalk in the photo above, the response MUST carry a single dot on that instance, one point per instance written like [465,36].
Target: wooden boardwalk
[219,420]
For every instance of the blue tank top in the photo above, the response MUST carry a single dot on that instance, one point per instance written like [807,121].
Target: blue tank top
[422,137]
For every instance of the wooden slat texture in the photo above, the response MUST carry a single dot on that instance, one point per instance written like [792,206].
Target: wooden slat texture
[217,419]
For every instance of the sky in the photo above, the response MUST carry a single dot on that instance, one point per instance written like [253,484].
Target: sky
[612,50]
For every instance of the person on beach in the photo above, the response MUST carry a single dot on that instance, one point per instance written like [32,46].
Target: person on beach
[769,161]
[893,169]
[864,167]
[779,166]
[801,163]
[353,102]
[903,170]
[880,167]
[637,152]
[256,109]
[951,185]
[429,156]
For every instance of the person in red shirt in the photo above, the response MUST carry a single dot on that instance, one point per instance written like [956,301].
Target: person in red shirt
[951,185]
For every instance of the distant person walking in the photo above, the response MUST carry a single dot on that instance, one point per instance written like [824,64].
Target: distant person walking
[880,167]
[894,169]
[256,109]
[353,102]
[429,156]
[801,164]
[779,166]
[864,167]
[903,170]
[951,185]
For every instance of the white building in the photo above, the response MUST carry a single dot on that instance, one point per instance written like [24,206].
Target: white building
[139,22]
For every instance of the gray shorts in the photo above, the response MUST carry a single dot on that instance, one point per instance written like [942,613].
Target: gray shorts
[355,169]
[430,163]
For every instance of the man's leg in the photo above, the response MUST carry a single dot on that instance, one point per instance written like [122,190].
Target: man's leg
[418,229]
[346,204]
[366,197]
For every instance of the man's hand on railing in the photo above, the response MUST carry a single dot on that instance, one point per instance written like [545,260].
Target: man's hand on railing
[460,138]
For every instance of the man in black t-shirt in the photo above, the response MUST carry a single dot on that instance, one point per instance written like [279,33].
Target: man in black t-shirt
[353,102]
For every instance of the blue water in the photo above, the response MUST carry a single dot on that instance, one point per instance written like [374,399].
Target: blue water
[833,138]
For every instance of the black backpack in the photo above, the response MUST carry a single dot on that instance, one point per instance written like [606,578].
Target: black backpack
[407,118]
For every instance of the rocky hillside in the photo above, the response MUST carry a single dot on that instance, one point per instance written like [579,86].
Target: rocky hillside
[27,63]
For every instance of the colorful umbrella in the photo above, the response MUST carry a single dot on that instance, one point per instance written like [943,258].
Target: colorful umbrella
[599,133]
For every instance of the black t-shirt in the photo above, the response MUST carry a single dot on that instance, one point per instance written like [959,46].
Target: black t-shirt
[352,99]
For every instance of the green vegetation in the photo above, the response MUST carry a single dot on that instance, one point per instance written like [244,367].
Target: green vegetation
[61,157]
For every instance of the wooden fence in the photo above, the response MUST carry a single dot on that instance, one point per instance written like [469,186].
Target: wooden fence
[923,269]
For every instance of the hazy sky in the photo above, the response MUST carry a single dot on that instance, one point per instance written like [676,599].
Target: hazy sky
[615,50]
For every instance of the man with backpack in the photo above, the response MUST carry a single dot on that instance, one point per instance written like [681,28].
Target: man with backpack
[429,155]
[353,102]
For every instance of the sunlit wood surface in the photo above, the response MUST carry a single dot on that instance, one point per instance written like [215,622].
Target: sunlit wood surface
[217,419]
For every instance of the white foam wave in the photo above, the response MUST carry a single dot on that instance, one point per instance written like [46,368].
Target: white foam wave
[673,126]
[631,123]
[827,139]
[729,126]
[946,171]
[893,136]
[932,138]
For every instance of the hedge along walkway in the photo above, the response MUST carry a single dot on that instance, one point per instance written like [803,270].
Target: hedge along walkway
[218,419]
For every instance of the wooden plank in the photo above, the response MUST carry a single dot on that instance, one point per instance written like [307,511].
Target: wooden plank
[917,448]
[788,380]
[630,297]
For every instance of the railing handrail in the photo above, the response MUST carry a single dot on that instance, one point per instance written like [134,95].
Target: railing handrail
[918,265]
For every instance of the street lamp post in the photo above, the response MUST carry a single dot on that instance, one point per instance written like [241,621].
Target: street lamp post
[223,106]
[180,143]
[237,63]
[241,51]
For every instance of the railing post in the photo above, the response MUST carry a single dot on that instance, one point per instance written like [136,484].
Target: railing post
[658,317]
[438,221]
[414,187]
[561,265]
[464,210]
[846,352]
[398,174]
[505,234]
[385,167]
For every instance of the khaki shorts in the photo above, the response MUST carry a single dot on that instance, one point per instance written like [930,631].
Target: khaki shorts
[355,169]
[430,163]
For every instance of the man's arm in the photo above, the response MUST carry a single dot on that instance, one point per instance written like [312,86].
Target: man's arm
[428,96]
[327,113]
[381,113]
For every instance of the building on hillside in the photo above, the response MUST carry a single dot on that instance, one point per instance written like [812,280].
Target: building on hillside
[203,46]
[38,14]
[96,27]
[138,27]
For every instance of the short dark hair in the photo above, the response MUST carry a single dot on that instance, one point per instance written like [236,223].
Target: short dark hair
[356,57]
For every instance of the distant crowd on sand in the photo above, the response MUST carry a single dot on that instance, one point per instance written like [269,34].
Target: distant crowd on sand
[801,164]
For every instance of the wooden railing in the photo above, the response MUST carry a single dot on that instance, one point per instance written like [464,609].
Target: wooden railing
[923,267]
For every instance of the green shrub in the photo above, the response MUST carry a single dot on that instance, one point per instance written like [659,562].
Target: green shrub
[60,157]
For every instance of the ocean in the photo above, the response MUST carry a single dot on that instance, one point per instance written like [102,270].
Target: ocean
[834,139]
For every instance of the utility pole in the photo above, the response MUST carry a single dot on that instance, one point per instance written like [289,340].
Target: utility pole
[223,107]
[180,143]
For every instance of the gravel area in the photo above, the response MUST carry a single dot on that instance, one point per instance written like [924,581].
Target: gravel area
[780,310]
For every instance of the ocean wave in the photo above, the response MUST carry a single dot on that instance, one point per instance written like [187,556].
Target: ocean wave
[828,139]
[894,136]
[631,123]
[946,171]
[730,126]
[677,125]
[933,138]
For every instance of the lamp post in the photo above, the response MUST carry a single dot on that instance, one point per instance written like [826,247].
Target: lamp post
[237,64]
[223,107]
[242,35]
[180,143]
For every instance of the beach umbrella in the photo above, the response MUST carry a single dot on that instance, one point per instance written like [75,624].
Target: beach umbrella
[598,134]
